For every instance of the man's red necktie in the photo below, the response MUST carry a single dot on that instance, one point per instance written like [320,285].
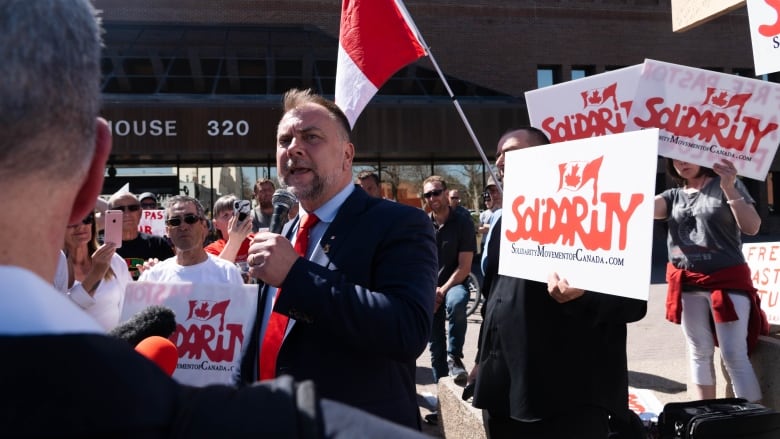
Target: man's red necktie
[277,323]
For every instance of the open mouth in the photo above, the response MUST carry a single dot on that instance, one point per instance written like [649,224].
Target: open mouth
[299,171]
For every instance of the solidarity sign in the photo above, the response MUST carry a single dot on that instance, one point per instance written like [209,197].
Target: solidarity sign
[702,116]
[763,259]
[212,323]
[587,213]
[764,16]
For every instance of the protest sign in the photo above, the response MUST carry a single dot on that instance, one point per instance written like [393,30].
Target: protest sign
[687,14]
[152,222]
[592,106]
[706,116]
[583,209]
[212,323]
[764,20]
[763,258]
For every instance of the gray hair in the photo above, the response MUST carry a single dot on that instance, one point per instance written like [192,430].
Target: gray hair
[184,199]
[50,91]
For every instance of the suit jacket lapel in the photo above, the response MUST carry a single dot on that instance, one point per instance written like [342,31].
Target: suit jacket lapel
[340,227]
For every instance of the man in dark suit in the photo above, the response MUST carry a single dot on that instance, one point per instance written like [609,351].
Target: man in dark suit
[356,303]
[552,361]
[61,375]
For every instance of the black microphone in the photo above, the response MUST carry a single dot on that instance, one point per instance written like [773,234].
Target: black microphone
[283,200]
[153,320]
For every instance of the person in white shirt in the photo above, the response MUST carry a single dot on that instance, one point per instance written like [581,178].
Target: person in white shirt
[185,224]
[99,275]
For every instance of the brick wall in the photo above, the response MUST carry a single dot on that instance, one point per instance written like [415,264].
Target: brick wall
[498,44]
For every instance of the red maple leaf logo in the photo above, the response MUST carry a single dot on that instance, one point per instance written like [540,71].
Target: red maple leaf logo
[725,99]
[720,100]
[600,96]
[208,309]
[202,312]
[575,175]
[573,178]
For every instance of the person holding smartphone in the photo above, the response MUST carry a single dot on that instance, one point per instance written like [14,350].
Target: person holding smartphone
[99,276]
[234,235]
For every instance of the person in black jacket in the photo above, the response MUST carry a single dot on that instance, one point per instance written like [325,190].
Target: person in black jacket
[61,375]
[552,361]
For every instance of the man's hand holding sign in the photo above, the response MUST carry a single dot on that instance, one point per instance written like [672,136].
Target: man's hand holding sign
[560,290]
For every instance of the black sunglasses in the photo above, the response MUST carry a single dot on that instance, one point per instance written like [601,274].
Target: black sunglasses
[433,193]
[130,208]
[188,218]
[149,205]
[89,219]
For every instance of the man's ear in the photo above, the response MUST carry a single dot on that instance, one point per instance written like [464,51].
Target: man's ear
[349,155]
[93,180]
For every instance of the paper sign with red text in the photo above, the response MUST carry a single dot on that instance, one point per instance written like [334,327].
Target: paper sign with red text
[592,106]
[764,17]
[212,323]
[582,209]
[152,222]
[644,403]
[706,116]
[764,261]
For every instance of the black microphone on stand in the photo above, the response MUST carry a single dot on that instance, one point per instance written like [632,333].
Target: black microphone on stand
[283,200]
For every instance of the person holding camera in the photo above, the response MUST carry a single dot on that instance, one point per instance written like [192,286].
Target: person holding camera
[185,224]
[234,232]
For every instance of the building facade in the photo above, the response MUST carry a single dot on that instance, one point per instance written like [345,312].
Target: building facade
[192,87]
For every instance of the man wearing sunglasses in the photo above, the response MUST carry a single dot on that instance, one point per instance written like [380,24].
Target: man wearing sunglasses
[185,224]
[140,250]
[456,242]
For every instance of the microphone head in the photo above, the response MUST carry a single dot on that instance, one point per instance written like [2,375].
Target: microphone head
[161,351]
[284,198]
[152,320]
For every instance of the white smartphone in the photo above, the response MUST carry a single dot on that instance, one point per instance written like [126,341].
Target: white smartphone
[113,227]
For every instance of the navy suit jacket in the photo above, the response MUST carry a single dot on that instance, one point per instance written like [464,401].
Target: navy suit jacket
[363,308]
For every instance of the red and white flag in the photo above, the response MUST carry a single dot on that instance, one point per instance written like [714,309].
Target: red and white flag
[375,41]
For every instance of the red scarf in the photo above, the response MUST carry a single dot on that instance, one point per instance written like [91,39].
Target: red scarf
[731,278]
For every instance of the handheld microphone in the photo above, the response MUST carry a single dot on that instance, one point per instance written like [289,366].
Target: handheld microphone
[283,200]
[153,320]
[160,351]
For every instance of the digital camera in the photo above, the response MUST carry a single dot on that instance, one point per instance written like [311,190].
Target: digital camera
[241,208]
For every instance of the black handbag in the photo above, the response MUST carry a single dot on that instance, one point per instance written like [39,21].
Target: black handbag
[724,418]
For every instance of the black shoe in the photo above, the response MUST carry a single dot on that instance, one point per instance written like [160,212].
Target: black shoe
[457,370]
[468,391]
[432,418]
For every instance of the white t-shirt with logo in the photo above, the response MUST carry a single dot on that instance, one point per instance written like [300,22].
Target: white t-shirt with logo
[212,270]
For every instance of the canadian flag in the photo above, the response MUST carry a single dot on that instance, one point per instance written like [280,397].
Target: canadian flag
[376,40]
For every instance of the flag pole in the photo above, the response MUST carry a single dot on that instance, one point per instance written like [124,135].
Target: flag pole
[413,26]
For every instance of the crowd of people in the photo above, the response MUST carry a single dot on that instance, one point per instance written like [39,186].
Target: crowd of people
[350,291]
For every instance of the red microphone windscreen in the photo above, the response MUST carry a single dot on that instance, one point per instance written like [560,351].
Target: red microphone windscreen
[161,351]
